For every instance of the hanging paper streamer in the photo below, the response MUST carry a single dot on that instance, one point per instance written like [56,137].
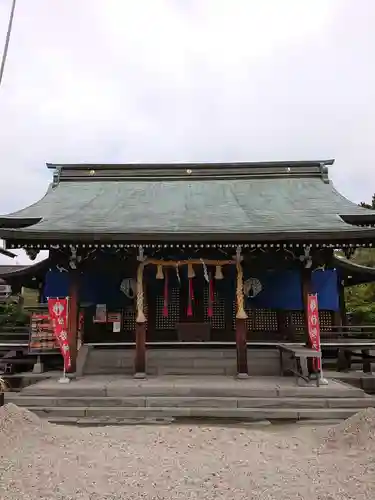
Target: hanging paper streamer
[165,305]
[211,298]
[178,273]
[205,272]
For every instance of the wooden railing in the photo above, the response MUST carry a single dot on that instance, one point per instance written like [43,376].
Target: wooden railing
[350,332]
[14,336]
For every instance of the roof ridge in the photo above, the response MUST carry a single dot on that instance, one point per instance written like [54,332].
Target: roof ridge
[189,171]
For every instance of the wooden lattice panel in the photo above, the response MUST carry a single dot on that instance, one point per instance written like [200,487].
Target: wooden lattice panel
[217,321]
[325,319]
[297,320]
[265,320]
[250,319]
[129,316]
[262,320]
[169,322]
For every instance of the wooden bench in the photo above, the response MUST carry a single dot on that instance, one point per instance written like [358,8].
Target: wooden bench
[299,356]
[348,348]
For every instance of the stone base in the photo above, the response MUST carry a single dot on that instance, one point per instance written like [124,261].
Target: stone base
[140,375]
[38,367]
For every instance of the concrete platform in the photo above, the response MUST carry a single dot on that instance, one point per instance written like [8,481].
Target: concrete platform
[184,386]
[356,378]
[120,398]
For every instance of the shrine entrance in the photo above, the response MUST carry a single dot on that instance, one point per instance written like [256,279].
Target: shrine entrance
[190,312]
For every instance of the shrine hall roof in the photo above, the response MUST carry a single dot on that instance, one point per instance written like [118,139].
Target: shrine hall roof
[227,201]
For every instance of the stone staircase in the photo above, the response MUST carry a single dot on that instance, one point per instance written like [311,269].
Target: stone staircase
[93,400]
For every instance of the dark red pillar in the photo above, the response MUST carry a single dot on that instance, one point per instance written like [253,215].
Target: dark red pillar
[241,347]
[140,350]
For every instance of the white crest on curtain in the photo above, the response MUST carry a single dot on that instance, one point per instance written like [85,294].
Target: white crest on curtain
[128,287]
[252,287]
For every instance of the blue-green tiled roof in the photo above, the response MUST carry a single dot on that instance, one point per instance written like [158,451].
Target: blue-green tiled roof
[98,200]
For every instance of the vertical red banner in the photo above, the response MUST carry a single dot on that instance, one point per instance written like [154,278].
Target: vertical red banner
[313,325]
[59,314]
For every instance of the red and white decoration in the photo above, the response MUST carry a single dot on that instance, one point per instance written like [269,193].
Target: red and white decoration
[314,330]
[59,313]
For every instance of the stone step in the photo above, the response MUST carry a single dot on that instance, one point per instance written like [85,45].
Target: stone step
[189,402]
[239,414]
[196,388]
[254,424]
[187,361]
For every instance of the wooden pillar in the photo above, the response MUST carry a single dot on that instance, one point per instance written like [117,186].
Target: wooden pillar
[342,304]
[140,328]
[241,347]
[140,350]
[73,317]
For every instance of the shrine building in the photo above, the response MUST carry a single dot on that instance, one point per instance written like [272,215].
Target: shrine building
[164,262]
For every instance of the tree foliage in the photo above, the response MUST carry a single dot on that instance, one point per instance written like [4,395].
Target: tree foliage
[12,315]
[360,299]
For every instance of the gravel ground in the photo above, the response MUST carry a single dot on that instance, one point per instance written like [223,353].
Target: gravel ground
[44,461]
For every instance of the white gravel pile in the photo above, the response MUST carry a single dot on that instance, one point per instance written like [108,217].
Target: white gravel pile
[43,461]
[356,432]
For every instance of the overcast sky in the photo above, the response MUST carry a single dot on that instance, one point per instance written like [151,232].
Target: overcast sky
[202,80]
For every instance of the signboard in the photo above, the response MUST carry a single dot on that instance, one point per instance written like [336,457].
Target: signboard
[42,336]
[100,313]
[115,319]
[313,326]
[58,312]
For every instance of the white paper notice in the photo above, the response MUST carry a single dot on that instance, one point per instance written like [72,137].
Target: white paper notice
[101,313]
[116,326]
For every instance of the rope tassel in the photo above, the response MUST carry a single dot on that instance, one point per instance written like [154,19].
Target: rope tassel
[141,318]
[219,273]
[241,313]
[159,272]
[191,272]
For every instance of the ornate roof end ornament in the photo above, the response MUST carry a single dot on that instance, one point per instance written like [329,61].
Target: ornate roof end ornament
[349,252]
[32,253]
[73,259]
[324,173]
[128,287]
[252,287]
[306,258]
[56,176]
[141,255]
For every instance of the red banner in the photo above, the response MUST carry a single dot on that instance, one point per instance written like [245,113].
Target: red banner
[58,312]
[313,325]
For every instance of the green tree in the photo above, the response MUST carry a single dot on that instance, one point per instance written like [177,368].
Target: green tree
[360,299]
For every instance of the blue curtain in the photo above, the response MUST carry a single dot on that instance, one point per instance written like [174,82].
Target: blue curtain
[282,290]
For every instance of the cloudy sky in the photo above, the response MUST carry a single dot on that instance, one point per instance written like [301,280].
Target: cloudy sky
[173,80]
